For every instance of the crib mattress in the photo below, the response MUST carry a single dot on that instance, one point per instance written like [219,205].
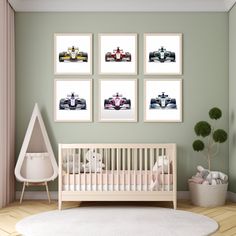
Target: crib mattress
[117,178]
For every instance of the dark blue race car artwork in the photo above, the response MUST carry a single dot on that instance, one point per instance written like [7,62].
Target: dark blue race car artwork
[72,102]
[163,101]
[162,55]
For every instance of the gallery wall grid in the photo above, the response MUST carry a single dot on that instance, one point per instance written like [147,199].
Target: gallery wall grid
[118,81]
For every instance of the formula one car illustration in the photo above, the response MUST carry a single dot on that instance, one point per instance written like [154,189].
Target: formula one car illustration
[162,55]
[72,102]
[117,102]
[118,55]
[163,102]
[73,55]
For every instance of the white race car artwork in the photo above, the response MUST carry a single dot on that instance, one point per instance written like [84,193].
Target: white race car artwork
[73,55]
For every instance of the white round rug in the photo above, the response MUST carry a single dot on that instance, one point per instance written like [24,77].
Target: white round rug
[117,221]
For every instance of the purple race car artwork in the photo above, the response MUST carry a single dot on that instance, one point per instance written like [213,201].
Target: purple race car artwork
[117,102]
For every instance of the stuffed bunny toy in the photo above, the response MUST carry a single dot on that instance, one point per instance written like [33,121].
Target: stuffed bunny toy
[161,165]
[211,177]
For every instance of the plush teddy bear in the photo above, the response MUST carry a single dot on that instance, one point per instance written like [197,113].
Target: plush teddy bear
[94,162]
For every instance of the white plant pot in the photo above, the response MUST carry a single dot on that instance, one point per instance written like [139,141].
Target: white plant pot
[208,195]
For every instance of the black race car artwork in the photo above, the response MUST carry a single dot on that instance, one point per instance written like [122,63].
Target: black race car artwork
[163,101]
[72,102]
[118,55]
[162,56]
[117,102]
[73,55]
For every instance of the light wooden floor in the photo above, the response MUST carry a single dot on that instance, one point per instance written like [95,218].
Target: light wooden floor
[9,216]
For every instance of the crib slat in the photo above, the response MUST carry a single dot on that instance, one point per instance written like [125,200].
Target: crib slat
[129,150]
[79,174]
[95,150]
[68,169]
[140,169]
[117,169]
[90,176]
[101,182]
[162,176]
[106,156]
[157,161]
[123,168]
[168,171]
[146,167]
[85,184]
[112,166]
[73,156]
[151,165]
[135,158]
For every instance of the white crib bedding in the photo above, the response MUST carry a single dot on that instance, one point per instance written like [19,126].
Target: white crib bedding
[117,177]
[110,187]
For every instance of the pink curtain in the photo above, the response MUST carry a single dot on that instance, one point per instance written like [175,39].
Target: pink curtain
[7,101]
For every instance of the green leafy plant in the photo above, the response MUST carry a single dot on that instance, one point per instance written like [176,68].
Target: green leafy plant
[214,137]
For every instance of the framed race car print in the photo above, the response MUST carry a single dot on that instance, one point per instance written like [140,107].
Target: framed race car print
[118,100]
[163,100]
[118,54]
[73,100]
[73,54]
[163,54]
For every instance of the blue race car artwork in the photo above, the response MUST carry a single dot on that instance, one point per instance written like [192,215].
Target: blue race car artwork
[162,55]
[163,101]
[72,102]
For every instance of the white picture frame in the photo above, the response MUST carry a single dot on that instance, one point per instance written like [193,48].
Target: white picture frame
[163,53]
[117,54]
[73,54]
[162,100]
[73,108]
[111,109]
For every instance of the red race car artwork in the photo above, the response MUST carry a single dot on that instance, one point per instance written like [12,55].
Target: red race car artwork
[118,55]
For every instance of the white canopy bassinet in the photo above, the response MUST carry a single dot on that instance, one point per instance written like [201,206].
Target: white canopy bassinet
[36,164]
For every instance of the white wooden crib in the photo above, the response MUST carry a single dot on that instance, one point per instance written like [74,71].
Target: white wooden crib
[125,172]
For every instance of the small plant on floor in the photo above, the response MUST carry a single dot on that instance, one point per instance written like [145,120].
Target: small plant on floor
[214,137]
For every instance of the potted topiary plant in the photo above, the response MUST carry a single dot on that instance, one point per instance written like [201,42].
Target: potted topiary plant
[209,193]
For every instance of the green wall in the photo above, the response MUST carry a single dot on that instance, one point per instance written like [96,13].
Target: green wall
[232,98]
[205,79]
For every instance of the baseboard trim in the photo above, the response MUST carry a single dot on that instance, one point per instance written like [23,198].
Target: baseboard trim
[183,195]
[231,196]
[37,195]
